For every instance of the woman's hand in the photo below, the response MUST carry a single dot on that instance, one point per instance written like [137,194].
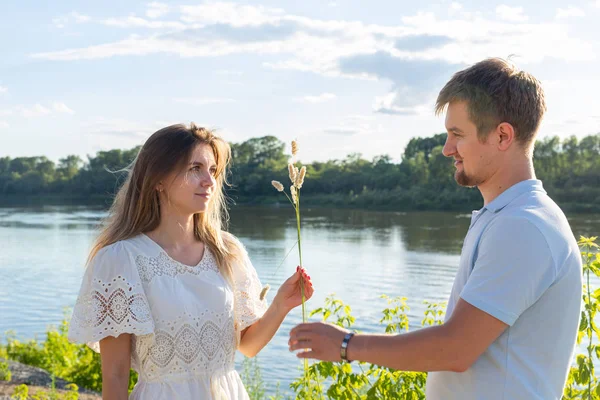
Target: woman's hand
[289,294]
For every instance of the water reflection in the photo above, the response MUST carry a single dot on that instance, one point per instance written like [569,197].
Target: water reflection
[422,231]
[51,217]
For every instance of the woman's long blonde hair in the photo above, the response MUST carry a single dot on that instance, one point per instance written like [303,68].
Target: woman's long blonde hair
[136,207]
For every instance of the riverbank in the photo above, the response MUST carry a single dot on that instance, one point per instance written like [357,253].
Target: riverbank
[372,201]
[38,380]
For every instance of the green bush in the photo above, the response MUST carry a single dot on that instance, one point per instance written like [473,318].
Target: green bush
[366,381]
[5,374]
[582,382]
[75,363]
[21,392]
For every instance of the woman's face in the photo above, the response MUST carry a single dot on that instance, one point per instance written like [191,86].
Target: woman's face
[190,190]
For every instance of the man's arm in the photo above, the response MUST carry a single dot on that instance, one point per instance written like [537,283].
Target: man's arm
[453,346]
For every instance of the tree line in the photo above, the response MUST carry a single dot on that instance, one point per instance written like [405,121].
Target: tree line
[422,180]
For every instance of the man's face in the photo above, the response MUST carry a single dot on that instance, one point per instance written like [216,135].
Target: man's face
[472,158]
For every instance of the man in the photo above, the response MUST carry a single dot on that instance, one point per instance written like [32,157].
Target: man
[514,309]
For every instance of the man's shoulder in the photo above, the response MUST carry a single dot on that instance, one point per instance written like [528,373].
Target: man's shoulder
[516,226]
[536,221]
[538,209]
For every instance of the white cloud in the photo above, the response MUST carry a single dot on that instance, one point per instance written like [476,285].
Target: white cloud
[346,48]
[318,99]
[62,108]
[351,125]
[344,131]
[156,10]
[513,14]
[59,22]
[229,72]
[3,89]
[62,21]
[306,44]
[37,110]
[569,12]
[120,127]
[79,18]
[231,14]
[133,21]
[390,104]
[202,101]
[4,125]
[456,6]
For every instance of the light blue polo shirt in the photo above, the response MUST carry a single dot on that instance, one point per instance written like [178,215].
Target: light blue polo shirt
[521,264]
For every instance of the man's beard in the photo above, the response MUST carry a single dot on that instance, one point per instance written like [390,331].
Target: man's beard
[464,180]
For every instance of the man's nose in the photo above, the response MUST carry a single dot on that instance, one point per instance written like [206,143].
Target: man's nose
[449,148]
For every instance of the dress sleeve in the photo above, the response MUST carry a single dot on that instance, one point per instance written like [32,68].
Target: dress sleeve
[111,300]
[249,307]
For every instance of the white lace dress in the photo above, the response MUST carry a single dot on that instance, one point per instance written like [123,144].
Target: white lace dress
[181,318]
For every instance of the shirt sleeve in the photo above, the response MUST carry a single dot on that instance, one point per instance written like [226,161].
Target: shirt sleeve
[513,268]
[111,300]
[249,307]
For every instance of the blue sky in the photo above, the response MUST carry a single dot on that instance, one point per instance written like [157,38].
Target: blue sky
[340,76]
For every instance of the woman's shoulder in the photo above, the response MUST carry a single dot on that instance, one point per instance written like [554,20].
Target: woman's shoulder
[116,260]
[233,243]
[122,249]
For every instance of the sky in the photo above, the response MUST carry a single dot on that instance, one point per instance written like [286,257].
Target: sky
[340,76]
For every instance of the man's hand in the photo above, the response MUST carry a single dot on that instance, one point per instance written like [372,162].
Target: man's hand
[453,346]
[319,340]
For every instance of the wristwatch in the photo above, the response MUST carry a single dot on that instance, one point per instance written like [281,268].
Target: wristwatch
[344,349]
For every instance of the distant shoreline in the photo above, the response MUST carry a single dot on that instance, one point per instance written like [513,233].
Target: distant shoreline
[325,201]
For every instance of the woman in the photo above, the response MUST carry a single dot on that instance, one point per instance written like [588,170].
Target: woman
[167,291]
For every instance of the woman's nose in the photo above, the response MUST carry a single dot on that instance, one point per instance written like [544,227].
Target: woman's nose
[208,181]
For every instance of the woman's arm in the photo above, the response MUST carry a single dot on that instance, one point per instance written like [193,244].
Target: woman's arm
[257,335]
[115,354]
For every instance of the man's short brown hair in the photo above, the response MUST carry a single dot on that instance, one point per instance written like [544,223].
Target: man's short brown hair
[495,92]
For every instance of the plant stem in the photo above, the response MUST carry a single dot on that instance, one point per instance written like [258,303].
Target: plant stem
[301,280]
[286,195]
[590,322]
[300,254]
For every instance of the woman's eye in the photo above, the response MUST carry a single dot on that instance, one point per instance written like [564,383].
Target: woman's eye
[213,171]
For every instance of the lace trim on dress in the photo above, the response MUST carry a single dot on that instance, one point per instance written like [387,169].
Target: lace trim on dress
[110,309]
[188,345]
[248,305]
[150,267]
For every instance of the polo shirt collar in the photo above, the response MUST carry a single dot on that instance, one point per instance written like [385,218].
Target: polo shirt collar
[529,185]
